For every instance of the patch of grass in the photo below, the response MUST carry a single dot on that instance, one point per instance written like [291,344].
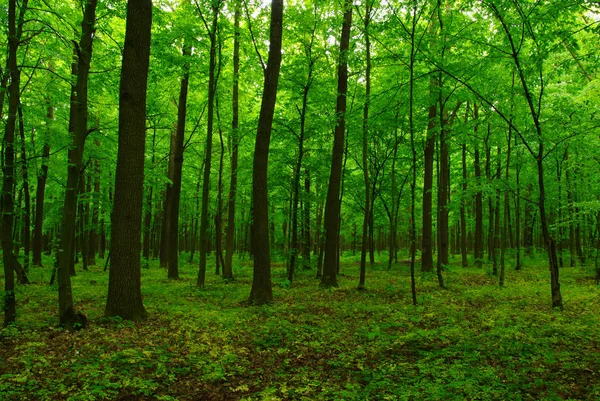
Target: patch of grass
[473,341]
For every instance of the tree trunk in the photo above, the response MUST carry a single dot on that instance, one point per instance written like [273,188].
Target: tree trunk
[8,168]
[427,239]
[212,88]
[173,272]
[332,206]
[478,251]
[235,139]
[39,198]
[26,194]
[124,286]
[262,292]
[168,205]
[79,111]
[365,149]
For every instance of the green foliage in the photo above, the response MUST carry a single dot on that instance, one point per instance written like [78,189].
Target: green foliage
[472,341]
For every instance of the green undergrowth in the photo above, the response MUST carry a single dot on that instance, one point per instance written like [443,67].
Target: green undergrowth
[472,341]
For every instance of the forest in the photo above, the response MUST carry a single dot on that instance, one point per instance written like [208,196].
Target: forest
[300,200]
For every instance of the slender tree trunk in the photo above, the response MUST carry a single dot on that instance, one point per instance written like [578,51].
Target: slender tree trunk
[147,229]
[505,231]
[262,292]
[332,206]
[478,250]
[39,198]
[463,214]
[8,167]
[427,230]
[212,88]
[365,149]
[124,286]
[80,113]
[177,168]
[26,194]
[413,184]
[235,139]
[168,204]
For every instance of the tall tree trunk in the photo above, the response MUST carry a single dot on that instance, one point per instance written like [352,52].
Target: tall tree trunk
[212,88]
[463,214]
[235,139]
[365,149]
[478,250]
[26,193]
[95,211]
[8,168]
[262,292]
[427,239]
[505,231]
[147,230]
[168,204]
[79,109]
[124,285]
[413,183]
[177,168]
[39,196]
[332,206]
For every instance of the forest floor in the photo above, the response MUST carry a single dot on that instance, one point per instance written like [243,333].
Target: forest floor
[472,341]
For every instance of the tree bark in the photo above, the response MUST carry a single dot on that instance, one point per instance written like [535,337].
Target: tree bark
[427,239]
[235,139]
[478,250]
[262,292]
[80,113]
[39,196]
[173,272]
[212,87]
[124,286]
[332,205]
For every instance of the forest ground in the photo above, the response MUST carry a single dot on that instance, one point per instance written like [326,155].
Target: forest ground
[473,341]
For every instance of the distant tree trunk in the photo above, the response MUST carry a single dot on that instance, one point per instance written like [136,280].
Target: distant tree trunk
[147,229]
[505,231]
[478,251]
[235,139]
[177,168]
[26,193]
[332,206]
[262,292]
[79,110]
[166,223]
[212,88]
[219,262]
[39,197]
[306,221]
[496,232]
[413,183]
[124,286]
[365,149]
[463,216]
[427,239]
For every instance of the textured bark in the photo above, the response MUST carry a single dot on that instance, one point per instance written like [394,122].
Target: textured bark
[235,139]
[124,286]
[212,88]
[262,292]
[332,205]
[177,169]
[79,116]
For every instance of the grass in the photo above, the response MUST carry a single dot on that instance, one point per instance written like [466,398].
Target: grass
[473,341]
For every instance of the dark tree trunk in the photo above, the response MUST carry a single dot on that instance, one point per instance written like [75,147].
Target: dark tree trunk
[94,230]
[332,205]
[463,214]
[427,239]
[413,183]
[177,168]
[219,262]
[168,205]
[262,292]
[147,230]
[212,88]
[505,231]
[478,250]
[235,139]
[39,199]
[8,167]
[79,114]
[365,149]
[124,286]
[26,194]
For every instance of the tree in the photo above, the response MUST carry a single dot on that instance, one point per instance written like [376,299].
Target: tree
[261,292]
[124,289]
[332,205]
